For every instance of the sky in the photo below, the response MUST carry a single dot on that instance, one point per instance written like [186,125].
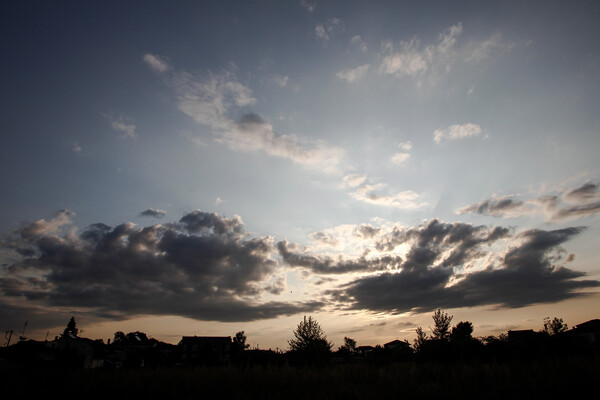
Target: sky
[202,168]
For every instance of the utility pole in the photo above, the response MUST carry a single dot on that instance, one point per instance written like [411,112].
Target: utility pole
[22,337]
[8,335]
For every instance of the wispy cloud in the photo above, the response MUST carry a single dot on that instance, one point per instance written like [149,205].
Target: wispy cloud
[379,195]
[352,75]
[406,146]
[252,133]
[210,98]
[333,25]
[454,132]
[503,206]
[353,180]
[359,43]
[309,6]
[399,158]
[407,58]
[496,45]
[157,63]
[281,81]
[122,124]
[428,62]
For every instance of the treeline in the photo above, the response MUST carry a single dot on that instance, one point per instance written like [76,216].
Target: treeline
[308,346]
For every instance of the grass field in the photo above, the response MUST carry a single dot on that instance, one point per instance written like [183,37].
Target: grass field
[525,379]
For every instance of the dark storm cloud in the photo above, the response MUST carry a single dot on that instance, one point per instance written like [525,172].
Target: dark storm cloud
[204,267]
[327,265]
[460,237]
[197,221]
[153,213]
[525,275]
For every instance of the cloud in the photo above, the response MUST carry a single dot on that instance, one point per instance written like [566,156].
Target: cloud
[296,256]
[353,75]
[310,7]
[479,51]
[123,125]
[325,238]
[42,227]
[77,149]
[332,25]
[366,231]
[408,59]
[280,80]
[434,274]
[567,213]
[580,202]
[353,180]
[454,132]
[205,266]
[414,60]
[586,192]
[157,63]
[321,32]
[209,99]
[360,43]
[153,213]
[252,134]
[372,194]
[505,206]
[399,158]
[406,146]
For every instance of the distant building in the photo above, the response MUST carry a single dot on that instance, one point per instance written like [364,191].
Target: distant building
[587,333]
[86,352]
[205,349]
[397,345]
[523,336]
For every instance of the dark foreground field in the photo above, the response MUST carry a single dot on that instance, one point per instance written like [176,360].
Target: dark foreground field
[525,379]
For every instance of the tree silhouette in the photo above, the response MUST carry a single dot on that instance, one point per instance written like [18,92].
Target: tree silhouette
[441,321]
[462,332]
[420,339]
[309,336]
[119,337]
[71,328]
[349,344]
[552,327]
[239,342]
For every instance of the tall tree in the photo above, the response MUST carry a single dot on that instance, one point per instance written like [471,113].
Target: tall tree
[349,344]
[441,321]
[309,336]
[71,328]
[420,339]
